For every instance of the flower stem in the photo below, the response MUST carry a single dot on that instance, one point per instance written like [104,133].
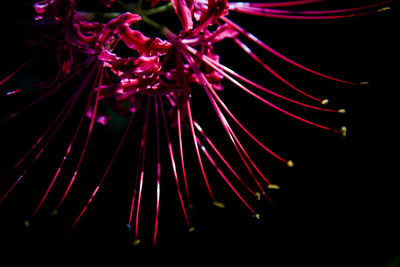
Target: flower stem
[145,13]
[159,9]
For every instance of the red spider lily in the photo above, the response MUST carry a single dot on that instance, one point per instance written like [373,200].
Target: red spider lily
[164,70]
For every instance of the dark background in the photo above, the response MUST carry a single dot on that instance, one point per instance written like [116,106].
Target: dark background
[340,199]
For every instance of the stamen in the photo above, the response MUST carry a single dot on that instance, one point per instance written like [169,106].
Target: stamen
[222,69]
[106,171]
[197,150]
[269,69]
[94,112]
[158,170]
[23,65]
[216,203]
[171,154]
[274,52]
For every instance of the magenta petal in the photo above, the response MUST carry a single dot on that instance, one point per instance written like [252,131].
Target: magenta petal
[143,44]
[113,26]
[184,14]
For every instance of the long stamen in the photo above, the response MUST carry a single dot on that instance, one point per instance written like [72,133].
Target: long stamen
[178,113]
[197,151]
[143,144]
[106,171]
[226,180]
[221,69]
[59,120]
[206,85]
[273,4]
[268,68]
[222,157]
[259,10]
[274,52]
[158,187]
[269,104]
[23,65]
[171,154]
[94,113]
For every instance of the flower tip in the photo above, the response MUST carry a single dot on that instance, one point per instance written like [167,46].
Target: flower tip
[136,242]
[384,9]
[325,102]
[54,212]
[343,131]
[290,163]
[219,204]
[273,186]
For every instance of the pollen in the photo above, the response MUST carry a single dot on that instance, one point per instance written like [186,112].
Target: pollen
[290,163]
[343,131]
[219,204]
[325,102]
[273,186]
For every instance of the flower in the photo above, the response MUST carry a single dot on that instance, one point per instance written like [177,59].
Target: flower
[162,70]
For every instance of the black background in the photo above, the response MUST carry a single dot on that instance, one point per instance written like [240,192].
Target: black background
[340,199]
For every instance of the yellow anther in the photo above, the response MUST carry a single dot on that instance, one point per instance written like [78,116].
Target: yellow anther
[219,204]
[384,9]
[343,131]
[136,242]
[364,83]
[27,223]
[290,163]
[325,102]
[273,186]
[191,229]
[342,110]
[258,195]
[54,212]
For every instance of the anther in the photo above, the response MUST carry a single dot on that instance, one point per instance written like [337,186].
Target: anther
[136,242]
[27,224]
[325,102]
[219,204]
[273,186]
[343,131]
[384,9]
[257,195]
[342,110]
[54,212]
[191,229]
[364,83]
[290,163]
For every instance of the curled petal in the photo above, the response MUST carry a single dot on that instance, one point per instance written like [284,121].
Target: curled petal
[184,14]
[86,33]
[222,32]
[114,25]
[43,8]
[143,44]
[131,66]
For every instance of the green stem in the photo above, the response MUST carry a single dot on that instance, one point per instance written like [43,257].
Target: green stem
[145,13]
[156,10]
